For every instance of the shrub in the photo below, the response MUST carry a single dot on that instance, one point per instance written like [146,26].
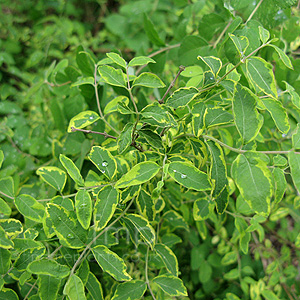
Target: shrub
[161,175]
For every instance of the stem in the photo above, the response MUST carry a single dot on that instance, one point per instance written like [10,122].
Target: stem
[95,132]
[234,149]
[98,102]
[138,71]
[5,195]
[130,93]
[221,35]
[146,275]
[254,11]
[181,69]
[87,248]
[57,85]
[32,287]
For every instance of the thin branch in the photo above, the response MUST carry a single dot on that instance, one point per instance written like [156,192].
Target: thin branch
[95,132]
[138,71]
[146,274]
[181,69]
[254,11]
[57,85]
[234,149]
[32,287]
[130,93]
[221,35]
[5,195]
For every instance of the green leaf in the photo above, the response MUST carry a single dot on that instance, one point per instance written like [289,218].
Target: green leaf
[125,138]
[83,206]
[278,114]
[175,220]
[152,138]
[5,242]
[294,96]
[146,205]
[7,187]
[48,283]
[1,158]
[132,290]
[253,178]
[113,104]
[139,174]
[171,285]
[112,76]
[71,169]
[83,81]
[152,33]
[157,114]
[27,256]
[261,75]
[218,170]
[269,295]
[279,160]
[85,62]
[5,209]
[66,227]
[6,294]
[214,64]
[198,118]
[124,109]
[53,176]
[94,287]
[116,58]
[294,161]
[111,263]
[105,206]
[5,260]
[264,34]
[83,119]
[280,184]
[216,116]
[30,208]
[140,61]
[284,58]
[168,257]
[104,161]
[202,209]
[296,138]
[12,227]
[148,80]
[222,200]
[48,267]
[74,288]
[246,117]
[181,97]
[205,272]
[241,43]
[189,176]
[143,228]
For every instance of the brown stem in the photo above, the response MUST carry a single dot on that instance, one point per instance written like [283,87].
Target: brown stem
[95,132]
[181,69]
[58,85]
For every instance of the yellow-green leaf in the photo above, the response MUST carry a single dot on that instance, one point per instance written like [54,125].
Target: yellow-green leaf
[168,257]
[48,267]
[83,119]
[139,174]
[171,285]
[111,263]
[130,290]
[71,169]
[53,176]
[83,206]
[74,288]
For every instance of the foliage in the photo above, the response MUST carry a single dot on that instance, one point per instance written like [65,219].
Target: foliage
[163,164]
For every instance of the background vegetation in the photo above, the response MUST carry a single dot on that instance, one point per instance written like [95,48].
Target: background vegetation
[233,248]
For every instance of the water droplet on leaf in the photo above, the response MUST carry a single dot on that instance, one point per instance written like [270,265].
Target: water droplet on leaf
[70,236]
[174,171]
[91,117]
[183,176]
[105,164]
[102,171]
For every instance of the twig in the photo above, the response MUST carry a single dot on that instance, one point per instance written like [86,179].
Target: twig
[32,287]
[95,132]
[222,34]
[254,11]
[181,69]
[57,85]
[146,275]
[156,53]
[5,195]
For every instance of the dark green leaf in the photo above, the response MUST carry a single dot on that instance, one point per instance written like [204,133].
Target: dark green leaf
[151,32]
[83,206]
[131,290]
[171,285]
